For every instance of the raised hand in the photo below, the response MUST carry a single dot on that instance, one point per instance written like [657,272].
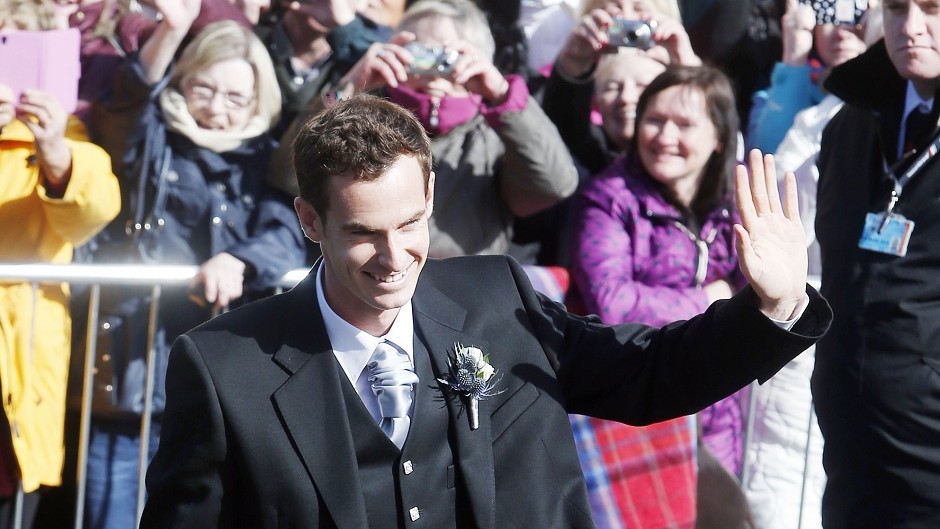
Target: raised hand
[383,64]
[46,119]
[770,239]
[797,22]
[585,44]
[479,75]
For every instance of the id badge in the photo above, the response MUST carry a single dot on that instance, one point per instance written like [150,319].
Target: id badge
[888,235]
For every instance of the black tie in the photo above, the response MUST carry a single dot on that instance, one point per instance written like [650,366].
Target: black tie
[918,125]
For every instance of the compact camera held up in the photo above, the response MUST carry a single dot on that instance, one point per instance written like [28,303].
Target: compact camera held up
[431,60]
[631,33]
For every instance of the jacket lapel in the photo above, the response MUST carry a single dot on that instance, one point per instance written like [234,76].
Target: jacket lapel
[314,413]
[438,326]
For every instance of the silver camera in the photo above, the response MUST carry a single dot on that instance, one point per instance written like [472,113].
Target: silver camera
[431,60]
[631,33]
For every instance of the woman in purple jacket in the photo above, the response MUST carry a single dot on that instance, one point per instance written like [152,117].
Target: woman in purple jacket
[653,237]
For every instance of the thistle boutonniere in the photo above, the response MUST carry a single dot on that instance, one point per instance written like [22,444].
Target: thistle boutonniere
[470,377]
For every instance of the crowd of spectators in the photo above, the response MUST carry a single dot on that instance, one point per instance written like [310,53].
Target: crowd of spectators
[599,152]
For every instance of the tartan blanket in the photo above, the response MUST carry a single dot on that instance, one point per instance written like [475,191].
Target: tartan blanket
[639,477]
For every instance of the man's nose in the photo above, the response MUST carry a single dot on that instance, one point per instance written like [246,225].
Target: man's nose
[392,253]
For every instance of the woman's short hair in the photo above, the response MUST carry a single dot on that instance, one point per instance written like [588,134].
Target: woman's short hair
[469,21]
[721,108]
[226,40]
[27,15]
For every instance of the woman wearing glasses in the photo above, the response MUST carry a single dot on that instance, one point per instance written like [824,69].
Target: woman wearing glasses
[194,147]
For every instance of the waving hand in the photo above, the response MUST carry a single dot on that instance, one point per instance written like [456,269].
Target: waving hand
[770,239]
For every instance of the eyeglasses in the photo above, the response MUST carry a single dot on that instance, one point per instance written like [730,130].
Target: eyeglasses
[232,100]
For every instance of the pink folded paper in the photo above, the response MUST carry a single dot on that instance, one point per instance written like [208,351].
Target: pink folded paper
[42,60]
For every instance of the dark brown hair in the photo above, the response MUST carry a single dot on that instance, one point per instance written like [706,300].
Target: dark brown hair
[360,137]
[720,106]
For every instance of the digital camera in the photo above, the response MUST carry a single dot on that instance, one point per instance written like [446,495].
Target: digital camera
[631,33]
[431,60]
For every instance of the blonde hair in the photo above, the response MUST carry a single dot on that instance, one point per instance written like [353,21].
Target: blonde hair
[27,15]
[227,40]
[669,8]
[469,21]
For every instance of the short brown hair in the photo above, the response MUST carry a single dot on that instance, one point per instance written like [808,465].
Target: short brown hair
[360,137]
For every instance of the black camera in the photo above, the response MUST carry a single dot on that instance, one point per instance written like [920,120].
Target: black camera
[431,60]
[631,34]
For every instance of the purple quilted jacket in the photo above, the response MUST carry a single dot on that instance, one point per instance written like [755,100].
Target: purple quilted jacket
[635,259]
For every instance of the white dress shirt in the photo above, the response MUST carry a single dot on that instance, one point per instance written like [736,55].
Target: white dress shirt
[353,347]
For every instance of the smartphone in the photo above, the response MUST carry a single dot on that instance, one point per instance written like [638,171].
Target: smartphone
[42,60]
[846,12]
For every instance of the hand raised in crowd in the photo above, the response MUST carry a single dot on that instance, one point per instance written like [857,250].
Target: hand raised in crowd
[46,119]
[797,23]
[770,240]
[479,75]
[325,16]
[585,44]
[157,53]
[7,106]
[383,64]
[671,35]
[178,14]
[219,281]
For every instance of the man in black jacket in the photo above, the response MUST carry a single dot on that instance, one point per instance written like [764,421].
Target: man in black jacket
[876,384]
[275,414]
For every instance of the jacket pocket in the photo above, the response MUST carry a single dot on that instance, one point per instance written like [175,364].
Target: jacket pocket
[512,408]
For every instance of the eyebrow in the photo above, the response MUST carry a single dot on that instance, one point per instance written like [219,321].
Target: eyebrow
[356,227]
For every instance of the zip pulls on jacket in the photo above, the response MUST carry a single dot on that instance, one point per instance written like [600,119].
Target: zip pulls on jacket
[701,259]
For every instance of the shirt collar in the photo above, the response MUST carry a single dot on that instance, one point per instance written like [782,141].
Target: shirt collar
[352,346]
[913,100]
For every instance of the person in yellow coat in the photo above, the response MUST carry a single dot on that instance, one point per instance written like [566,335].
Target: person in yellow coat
[56,191]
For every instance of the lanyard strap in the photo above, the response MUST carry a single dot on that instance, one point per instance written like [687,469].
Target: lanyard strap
[913,169]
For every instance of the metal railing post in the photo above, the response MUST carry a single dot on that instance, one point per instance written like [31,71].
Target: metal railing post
[84,434]
[146,416]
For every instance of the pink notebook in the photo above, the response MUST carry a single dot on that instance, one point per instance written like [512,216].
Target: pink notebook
[43,60]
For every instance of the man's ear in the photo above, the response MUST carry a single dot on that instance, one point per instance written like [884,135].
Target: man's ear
[429,199]
[310,220]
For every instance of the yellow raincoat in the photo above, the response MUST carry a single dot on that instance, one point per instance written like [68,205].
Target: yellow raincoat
[35,337]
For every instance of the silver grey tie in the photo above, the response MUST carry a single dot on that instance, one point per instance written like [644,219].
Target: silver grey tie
[393,381]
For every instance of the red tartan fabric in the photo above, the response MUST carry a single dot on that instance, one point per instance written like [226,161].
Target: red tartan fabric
[639,477]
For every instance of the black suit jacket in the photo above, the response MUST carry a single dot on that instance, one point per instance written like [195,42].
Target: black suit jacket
[255,436]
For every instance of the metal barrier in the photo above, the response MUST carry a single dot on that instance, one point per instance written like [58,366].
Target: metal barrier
[96,275]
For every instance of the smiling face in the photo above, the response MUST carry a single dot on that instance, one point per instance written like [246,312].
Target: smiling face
[912,36]
[676,138]
[222,95]
[619,82]
[374,239]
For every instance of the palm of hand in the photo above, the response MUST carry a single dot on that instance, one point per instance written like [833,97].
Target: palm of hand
[770,240]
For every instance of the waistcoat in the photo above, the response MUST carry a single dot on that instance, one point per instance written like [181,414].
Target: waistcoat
[414,487]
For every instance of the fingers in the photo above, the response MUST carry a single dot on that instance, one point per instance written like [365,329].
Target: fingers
[743,196]
[770,183]
[763,183]
[791,203]
[594,29]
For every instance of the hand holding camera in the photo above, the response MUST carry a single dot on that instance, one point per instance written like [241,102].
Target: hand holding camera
[797,22]
[392,63]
